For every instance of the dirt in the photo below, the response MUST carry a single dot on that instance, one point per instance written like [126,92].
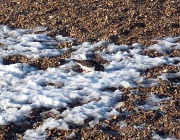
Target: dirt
[119,21]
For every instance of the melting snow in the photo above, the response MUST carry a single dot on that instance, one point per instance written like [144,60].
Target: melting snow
[21,86]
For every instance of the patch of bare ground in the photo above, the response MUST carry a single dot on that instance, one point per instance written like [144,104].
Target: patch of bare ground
[1,44]
[43,63]
[157,71]
[119,21]
[154,53]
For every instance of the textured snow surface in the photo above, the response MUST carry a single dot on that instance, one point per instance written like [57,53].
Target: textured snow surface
[21,86]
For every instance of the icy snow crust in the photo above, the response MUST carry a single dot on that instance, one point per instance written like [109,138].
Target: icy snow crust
[21,86]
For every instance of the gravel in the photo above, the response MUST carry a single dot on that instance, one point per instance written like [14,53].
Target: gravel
[120,22]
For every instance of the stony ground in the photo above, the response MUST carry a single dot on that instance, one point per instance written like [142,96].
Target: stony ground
[121,22]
